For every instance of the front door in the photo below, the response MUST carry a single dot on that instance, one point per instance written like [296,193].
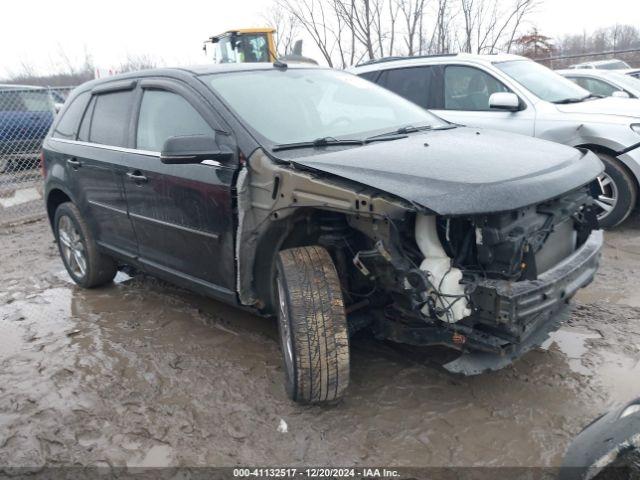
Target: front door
[182,214]
[466,101]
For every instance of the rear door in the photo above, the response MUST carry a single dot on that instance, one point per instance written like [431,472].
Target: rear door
[95,165]
[182,214]
[466,92]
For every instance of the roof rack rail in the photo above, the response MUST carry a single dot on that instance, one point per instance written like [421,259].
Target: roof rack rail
[397,57]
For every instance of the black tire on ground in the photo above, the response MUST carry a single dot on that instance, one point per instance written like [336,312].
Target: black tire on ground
[312,324]
[626,190]
[99,269]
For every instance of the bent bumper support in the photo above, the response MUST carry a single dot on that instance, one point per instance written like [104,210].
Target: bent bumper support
[529,310]
[475,363]
[510,318]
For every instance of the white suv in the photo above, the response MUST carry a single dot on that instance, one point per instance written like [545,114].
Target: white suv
[513,93]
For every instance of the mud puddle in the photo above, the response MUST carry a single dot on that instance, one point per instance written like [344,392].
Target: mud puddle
[144,374]
[573,344]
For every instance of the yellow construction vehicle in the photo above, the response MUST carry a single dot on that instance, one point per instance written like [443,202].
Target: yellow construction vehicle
[243,45]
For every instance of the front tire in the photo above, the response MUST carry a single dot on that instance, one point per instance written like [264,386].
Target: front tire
[312,324]
[617,192]
[87,266]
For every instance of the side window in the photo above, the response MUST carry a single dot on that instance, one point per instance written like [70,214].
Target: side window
[469,88]
[67,127]
[164,114]
[110,118]
[581,81]
[598,87]
[413,83]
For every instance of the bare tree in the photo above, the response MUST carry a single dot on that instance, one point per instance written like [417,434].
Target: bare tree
[361,16]
[468,9]
[312,16]
[135,62]
[616,37]
[346,31]
[287,28]
[489,25]
[394,7]
[412,12]
[440,38]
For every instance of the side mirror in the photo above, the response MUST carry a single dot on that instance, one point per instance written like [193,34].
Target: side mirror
[193,149]
[504,101]
[620,94]
[57,106]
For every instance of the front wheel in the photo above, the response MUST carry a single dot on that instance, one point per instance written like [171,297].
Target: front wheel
[85,264]
[313,326]
[616,192]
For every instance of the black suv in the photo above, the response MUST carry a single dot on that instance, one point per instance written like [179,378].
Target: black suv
[330,202]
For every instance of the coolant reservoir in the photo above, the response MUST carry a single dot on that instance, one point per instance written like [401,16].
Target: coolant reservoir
[450,295]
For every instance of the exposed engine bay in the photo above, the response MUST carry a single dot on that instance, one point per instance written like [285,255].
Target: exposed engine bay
[492,283]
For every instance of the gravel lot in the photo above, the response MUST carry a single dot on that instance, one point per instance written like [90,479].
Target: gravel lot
[143,373]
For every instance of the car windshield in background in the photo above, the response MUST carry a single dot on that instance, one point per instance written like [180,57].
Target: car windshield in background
[542,82]
[616,65]
[303,105]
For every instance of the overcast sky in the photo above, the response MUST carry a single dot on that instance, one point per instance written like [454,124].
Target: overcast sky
[36,32]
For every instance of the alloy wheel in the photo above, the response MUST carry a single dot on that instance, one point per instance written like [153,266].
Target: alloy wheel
[285,329]
[607,198]
[72,247]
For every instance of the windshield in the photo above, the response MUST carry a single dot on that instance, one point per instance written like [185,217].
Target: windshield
[242,48]
[542,82]
[614,65]
[306,104]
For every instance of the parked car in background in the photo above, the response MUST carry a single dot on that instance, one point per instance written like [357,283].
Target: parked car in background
[26,113]
[611,64]
[604,83]
[315,196]
[512,93]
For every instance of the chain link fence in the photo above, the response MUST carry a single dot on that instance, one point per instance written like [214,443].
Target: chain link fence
[26,113]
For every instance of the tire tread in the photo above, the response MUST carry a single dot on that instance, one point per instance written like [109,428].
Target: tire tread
[318,324]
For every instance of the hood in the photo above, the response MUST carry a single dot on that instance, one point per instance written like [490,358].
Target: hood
[461,171]
[625,107]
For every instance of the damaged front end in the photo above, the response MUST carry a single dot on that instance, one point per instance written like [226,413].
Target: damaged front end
[489,285]
[508,281]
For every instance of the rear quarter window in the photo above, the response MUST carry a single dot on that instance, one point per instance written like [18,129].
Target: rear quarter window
[110,119]
[67,126]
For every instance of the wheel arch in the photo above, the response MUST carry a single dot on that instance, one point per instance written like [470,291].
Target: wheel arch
[56,196]
[596,148]
[297,230]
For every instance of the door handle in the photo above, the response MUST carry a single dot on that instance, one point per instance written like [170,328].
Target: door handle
[74,163]
[137,177]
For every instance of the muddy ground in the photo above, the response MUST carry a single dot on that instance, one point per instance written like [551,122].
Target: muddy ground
[142,373]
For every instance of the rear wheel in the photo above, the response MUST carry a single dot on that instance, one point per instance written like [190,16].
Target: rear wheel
[85,264]
[616,192]
[313,325]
